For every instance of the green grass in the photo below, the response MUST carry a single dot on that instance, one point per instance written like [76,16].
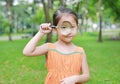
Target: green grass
[103,59]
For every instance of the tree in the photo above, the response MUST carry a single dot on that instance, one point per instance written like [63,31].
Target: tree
[81,8]
[50,5]
[47,17]
[114,7]
[9,7]
[100,21]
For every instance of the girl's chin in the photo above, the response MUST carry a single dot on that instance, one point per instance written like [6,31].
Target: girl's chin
[68,40]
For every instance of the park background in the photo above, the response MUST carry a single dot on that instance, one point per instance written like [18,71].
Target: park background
[98,33]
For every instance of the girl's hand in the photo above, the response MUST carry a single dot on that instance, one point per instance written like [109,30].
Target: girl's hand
[45,28]
[69,80]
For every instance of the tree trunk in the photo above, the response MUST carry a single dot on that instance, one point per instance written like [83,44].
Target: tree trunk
[47,17]
[100,21]
[33,13]
[46,11]
[50,4]
[9,6]
[81,25]
[86,11]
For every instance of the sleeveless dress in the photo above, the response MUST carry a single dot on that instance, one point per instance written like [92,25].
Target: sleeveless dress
[61,65]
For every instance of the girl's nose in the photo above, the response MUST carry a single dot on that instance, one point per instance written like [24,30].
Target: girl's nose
[67,31]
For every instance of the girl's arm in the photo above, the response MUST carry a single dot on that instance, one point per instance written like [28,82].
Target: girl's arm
[85,71]
[79,78]
[31,49]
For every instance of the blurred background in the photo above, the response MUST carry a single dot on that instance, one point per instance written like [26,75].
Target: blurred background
[98,34]
[21,18]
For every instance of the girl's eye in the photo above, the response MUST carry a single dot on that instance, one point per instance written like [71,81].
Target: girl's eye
[73,27]
[63,27]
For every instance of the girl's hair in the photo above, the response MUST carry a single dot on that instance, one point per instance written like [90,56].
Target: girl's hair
[62,10]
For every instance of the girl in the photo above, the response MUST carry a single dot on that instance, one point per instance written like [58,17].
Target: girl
[64,60]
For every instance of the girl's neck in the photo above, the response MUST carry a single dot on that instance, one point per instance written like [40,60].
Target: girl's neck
[65,47]
[64,43]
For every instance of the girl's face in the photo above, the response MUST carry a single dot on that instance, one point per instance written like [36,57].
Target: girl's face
[66,31]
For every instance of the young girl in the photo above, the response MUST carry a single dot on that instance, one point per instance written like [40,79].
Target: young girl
[64,60]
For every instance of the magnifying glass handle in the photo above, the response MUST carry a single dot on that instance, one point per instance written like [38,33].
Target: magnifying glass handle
[52,26]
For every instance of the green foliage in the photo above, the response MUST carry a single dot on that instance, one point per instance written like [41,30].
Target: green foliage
[39,16]
[23,14]
[114,6]
[4,24]
[92,11]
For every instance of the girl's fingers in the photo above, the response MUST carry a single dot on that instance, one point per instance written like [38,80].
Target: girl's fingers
[45,28]
[49,24]
[62,82]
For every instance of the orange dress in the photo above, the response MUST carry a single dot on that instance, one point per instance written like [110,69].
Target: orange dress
[61,65]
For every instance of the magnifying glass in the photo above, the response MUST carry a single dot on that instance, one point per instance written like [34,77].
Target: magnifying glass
[65,27]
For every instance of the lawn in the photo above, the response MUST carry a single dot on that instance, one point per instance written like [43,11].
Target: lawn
[103,59]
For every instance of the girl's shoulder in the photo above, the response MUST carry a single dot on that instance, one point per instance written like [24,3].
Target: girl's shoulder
[50,45]
[80,49]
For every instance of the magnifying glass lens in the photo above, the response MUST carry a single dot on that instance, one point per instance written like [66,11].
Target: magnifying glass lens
[66,27]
